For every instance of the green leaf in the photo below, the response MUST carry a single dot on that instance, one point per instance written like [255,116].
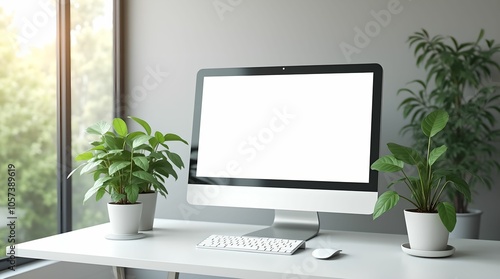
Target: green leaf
[142,162]
[143,123]
[447,215]
[97,185]
[145,176]
[73,171]
[405,154]
[98,147]
[113,142]
[387,164]
[164,168]
[133,135]
[174,137]
[434,122]
[176,159]
[481,35]
[108,154]
[140,140]
[159,137]
[162,190]
[100,193]
[99,172]
[99,128]
[154,141]
[158,155]
[116,166]
[117,197]
[167,171]
[120,127]
[436,153]
[84,156]
[385,202]
[132,192]
[460,185]
[90,166]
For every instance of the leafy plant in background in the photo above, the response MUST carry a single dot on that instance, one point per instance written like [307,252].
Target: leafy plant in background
[427,188]
[457,82]
[125,163]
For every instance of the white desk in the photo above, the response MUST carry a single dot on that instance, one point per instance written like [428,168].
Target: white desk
[171,247]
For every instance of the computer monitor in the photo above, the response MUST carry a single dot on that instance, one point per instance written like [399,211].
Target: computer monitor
[296,139]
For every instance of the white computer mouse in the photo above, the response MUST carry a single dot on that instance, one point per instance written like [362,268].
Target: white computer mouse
[325,253]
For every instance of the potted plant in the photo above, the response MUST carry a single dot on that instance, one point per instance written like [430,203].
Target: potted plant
[161,166]
[426,188]
[457,81]
[123,164]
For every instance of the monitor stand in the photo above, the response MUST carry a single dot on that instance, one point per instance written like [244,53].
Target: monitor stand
[300,225]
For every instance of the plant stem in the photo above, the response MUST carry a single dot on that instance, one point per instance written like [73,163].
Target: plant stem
[437,197]
[409,185]
[429,176]
[416,205]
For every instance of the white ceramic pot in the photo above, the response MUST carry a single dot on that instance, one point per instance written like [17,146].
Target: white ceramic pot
[148,210]
[124,218]
[426,231]
[467,225]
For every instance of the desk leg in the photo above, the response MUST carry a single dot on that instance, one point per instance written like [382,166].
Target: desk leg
[119,272]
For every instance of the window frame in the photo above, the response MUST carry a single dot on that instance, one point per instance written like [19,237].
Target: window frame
[64,186]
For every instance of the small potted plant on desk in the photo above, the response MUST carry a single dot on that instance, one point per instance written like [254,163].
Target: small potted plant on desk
[429,223]
[122,164]
[458,81]
[160,164]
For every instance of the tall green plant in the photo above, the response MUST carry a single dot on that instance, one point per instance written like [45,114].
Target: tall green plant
[427,187]
[457,82]
[124,163]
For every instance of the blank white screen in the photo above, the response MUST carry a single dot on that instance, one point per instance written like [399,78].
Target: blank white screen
[312,127]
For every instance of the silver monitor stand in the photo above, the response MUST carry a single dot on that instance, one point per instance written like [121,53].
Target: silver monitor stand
[287,224]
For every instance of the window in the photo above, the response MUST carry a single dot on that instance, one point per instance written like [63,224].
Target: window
[29,116]
[28,120]
[91,93]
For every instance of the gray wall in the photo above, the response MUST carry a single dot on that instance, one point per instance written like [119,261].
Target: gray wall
[169,41]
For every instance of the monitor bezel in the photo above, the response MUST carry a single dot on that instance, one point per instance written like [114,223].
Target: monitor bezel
[371,186]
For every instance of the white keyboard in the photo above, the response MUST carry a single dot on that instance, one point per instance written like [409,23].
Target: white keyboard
[252,244]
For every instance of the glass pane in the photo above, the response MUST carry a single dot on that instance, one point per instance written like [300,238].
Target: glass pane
[28,158]
[92,93]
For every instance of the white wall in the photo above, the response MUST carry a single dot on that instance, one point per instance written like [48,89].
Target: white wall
[169,41]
